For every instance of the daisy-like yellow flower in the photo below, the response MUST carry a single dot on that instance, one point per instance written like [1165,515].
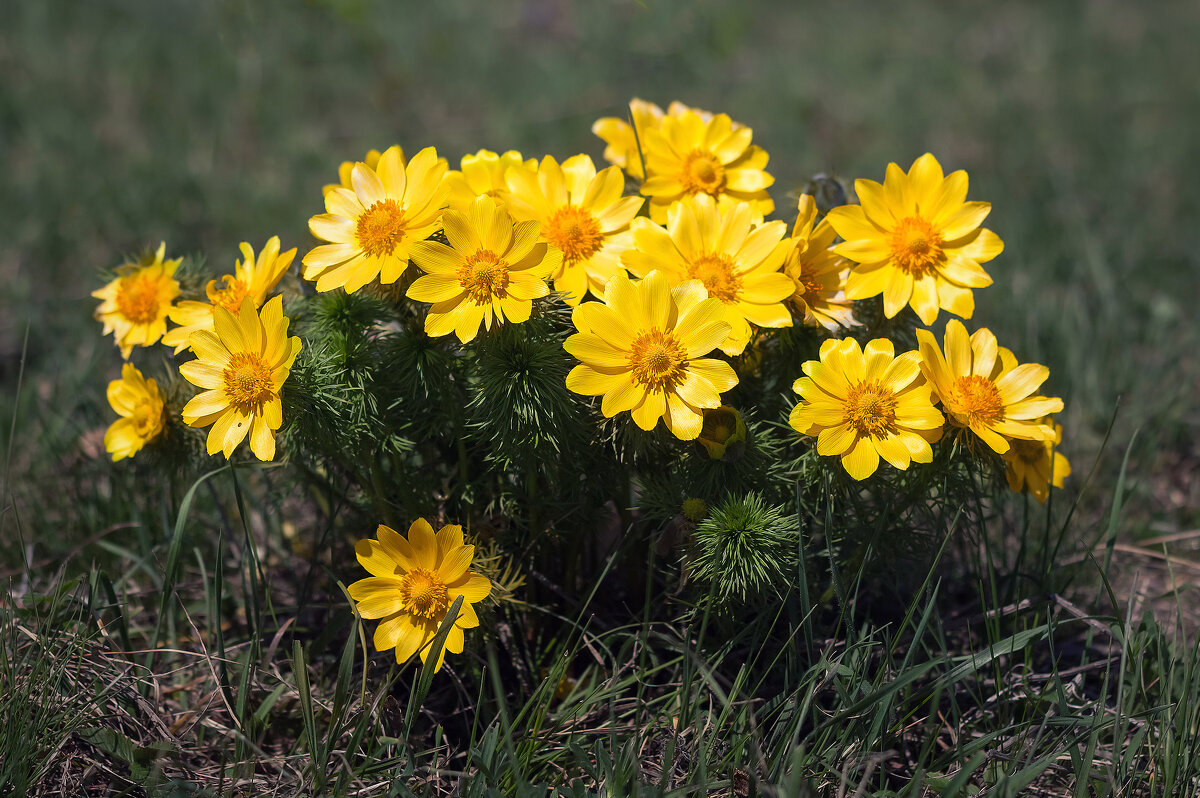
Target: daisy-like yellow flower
[136,304]
[483,173]
[582,213]
[687,155]
[413,582]
[251,278]
[916,241]
[818,272]
[1036,465]
[492,269]
[346,168]
[983,389]
[372,226]
[863,405]
[643,348]
[140,405]
[242,364]
[737,261]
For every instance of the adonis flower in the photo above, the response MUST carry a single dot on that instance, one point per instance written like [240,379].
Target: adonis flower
[736,261]
[643,349]
[136,304]
[372,227]
[1036,465]
[818,272]
[916,241]
[863,405]
[983,389]
[492,269]
[687,155]
[413,582]
[582,213]
[140,405]
[242,364]
[251,278]
[483,173]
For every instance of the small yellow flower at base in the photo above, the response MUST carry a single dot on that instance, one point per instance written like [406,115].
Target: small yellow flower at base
[863,405]
[688,155]
[140,405]
[242,364]
[916,241]
[136,304]
[492,269]
[983,389]
[736,259]
[723,434]
[483,174]
[643,349]
[1036,465]
[253,278]
[413,582]
[372,226]
[819,273]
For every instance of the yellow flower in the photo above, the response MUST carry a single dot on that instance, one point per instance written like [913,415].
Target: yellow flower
[818,272]
[982,388]
[412,584]
[372,227]
[916,241]
[492,268]
[242,364]
[138,402]
[1036,465]
[136,304]
[346,168]
[864,405]
[688,155]
[643,348]
[723,434]
[251,278]
[737,262]
[483,173]
[622,149]
[582,213]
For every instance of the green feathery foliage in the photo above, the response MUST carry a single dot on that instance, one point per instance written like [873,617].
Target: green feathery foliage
[745,550]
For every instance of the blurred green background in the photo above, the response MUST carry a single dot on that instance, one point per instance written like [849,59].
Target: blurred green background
[127,122]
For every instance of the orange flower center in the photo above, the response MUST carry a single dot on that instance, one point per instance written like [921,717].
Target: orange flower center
[808,286]
[248,382]
[147,417]
[575,231]
[137,298]
[424,593]
[977,398]
[702,172]
[484,276]
[229,295]
[870,408]
[657,360]
[716,272]
[381,228]
[916,246]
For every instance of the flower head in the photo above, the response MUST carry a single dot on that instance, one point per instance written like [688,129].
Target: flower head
[140,405]
[983,389]
[916,241]
[1036,465]
[242,364]
[723,434]
[735,259]
[483,173]
[818,272]
[492,269]
[582,213]
[688,155]
[413,582]
[251,278]
[136,304]
[643,349]
[866,404]
[372,226]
